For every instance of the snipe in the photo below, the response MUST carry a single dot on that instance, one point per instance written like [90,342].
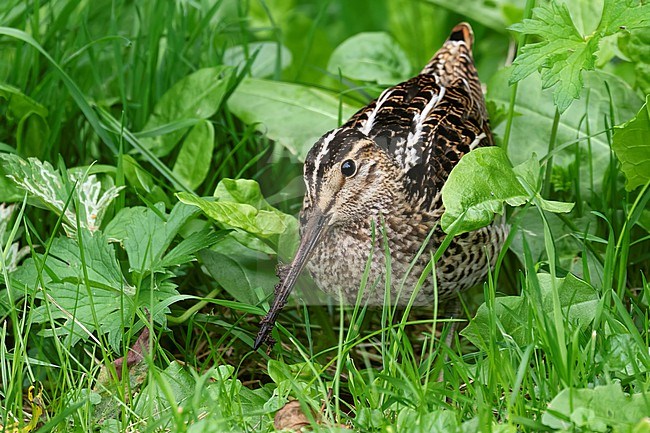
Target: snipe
[383,170]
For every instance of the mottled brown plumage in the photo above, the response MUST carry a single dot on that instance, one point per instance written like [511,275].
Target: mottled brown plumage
[384,170]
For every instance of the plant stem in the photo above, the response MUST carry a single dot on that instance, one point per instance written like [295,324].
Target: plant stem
[528,10]
[551,147]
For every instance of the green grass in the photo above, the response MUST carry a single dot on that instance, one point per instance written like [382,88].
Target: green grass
[138,313]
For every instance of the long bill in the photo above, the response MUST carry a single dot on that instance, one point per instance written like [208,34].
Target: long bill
[317,224]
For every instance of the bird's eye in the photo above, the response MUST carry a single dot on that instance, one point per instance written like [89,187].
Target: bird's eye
[348,168]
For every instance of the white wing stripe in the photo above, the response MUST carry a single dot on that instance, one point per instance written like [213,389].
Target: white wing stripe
[367,126]
[476,141]
[420,118]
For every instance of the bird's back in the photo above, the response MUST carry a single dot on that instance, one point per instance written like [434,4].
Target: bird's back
[429,122]
[454,62]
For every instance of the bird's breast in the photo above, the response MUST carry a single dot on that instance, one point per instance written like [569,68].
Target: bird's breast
[338,264]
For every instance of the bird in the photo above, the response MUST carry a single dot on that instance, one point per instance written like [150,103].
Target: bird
[374,185]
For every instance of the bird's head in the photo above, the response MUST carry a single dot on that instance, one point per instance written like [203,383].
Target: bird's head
[348,177]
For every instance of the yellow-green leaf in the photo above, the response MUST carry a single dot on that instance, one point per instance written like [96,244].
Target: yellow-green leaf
[631,144]
[478,187]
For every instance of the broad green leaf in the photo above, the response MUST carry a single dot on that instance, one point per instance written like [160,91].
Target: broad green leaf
[9,191]
[623,356]
[239,204]
[229,403]
[528,173]
[138,177]
[245,274]
[251,242]
[254,399]
[477,188]
[371,56]
[65,263]
[268,57]
[368,419]
[241,191]
[263,223]
[175,382]
[197,96]
[586,14]
[631,144]
[47,188]
[623,15]
[578,301]
[564,52]
[73,311]
[106,305]
[40,180]
[439,421]
[532,127]
[554,206]
[636,47]
[26,278]
[146,234]
[494,14]
[294,115]
[511,312]
[596,409]
[295,378]
[530,231]
[195,157]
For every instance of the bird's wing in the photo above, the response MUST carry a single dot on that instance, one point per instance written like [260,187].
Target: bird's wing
[430,121]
